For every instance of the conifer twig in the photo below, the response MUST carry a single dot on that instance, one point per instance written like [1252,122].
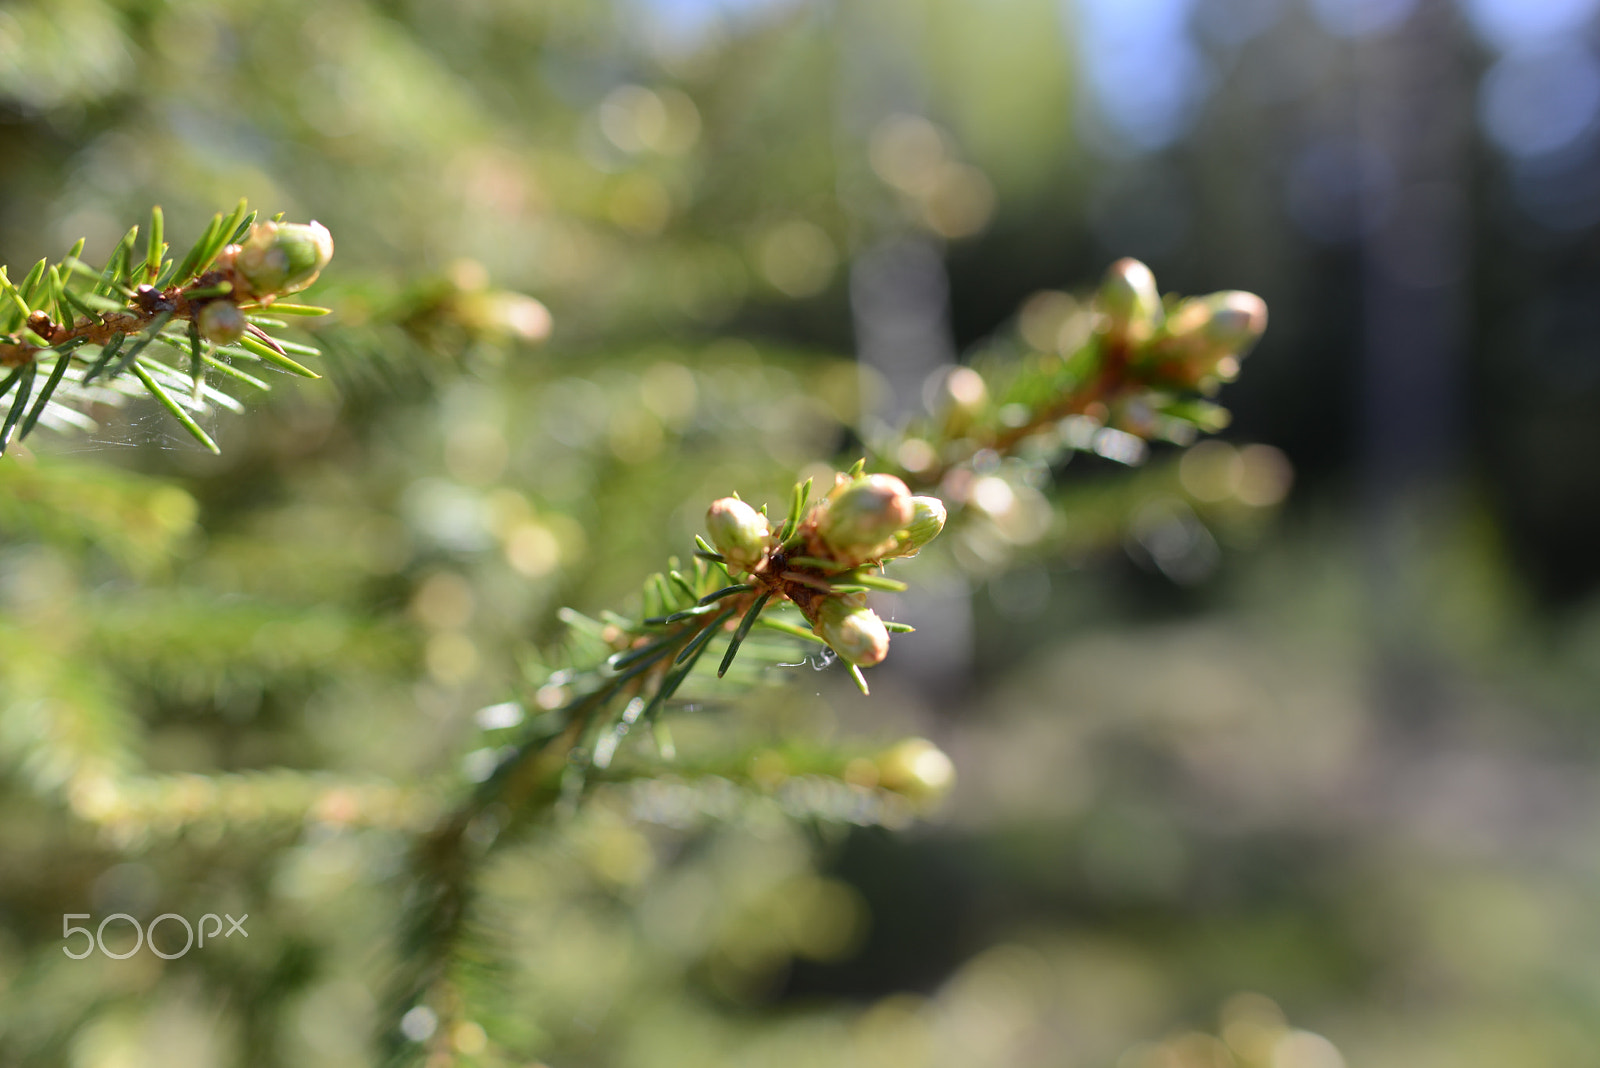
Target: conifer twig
[105,320]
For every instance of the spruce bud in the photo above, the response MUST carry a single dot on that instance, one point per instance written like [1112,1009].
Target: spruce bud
[1205,336]
[1237,321]
[865,513]
[917,768]
[279,258]
[1130,300]
[739,532]
[853,630]
[221,321]
[927,520]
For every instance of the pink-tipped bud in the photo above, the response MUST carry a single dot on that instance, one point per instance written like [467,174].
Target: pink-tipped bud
[853,630]
[1205,337]
[864,514]
[1238,319]
[1220,324]
[279,258]
[739,532]
[221,321]
[497,312]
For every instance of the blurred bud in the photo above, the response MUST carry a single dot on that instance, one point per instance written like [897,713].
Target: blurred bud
[927,520]
[738,531]
[504,313]
[1205,336]
[853,630]
[865,513]
[221,321]
[1237,321]
[280,258]
[1221,324]
[1129,298]
[1189,319]
[962,399]
[916,767]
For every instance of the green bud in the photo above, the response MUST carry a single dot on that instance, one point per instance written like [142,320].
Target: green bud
[278,258]
[1129,298]
[853,630]
[864,514]
[221,321]
[918,768]
[739,532]
[927,520]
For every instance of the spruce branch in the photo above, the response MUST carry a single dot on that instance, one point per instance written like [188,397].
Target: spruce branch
[819,560]
[107,321]
[1143,365]
[1109,375]
[1138,372]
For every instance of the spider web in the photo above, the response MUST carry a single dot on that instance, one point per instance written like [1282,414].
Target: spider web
[119,414]
[142,423]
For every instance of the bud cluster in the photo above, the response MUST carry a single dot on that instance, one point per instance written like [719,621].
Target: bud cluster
[1129,359]
[1189,344]
[275,259]
[55,317]
[1201,341]
[822,558]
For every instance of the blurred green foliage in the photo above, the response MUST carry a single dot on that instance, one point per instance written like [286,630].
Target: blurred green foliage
[1201,752]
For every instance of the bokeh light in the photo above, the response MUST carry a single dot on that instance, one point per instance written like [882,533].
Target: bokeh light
[1145,73]
[1540,99]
